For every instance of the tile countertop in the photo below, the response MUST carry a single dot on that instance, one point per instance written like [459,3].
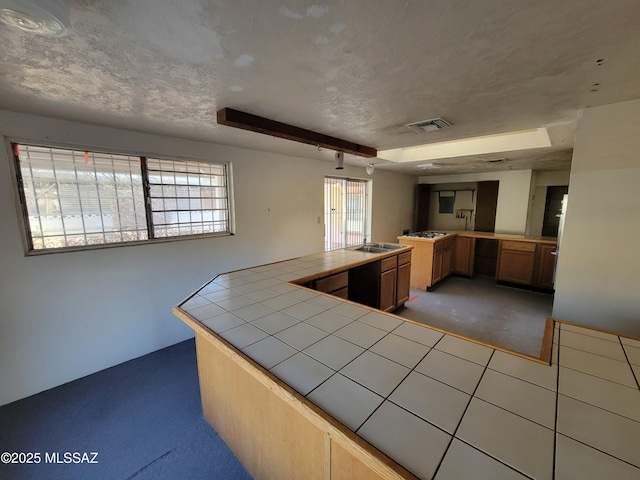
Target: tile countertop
[489,235]
[441,406]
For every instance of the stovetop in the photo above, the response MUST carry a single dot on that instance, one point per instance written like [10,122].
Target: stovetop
[427,234]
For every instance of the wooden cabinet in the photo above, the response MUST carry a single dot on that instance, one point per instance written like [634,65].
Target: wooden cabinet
[516,262]
[381,284]
[337,284]
[388,282]
[463,255]
[436,269]
[403,289]
[431,261]
[388,290]
[546,267]
[526,263]
[442,265]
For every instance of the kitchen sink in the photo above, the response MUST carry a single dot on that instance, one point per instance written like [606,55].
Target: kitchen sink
[388,246]
[379,247]
[372,249]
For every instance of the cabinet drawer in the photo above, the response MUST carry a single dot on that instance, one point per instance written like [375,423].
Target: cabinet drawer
[388,263]
[442,244]
[519,246]
[404,258]
[333,282]
[342,293]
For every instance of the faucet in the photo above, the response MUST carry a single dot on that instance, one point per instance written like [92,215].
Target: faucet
[364,240]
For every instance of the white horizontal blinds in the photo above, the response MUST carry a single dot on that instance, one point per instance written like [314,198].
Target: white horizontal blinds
[76,198]
[345,212]
[187,198]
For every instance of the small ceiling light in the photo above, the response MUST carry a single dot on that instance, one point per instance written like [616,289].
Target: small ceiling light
[370,168]
[49,18]
[339,160]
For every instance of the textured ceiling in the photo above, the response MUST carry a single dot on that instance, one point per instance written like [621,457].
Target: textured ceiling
[355,69]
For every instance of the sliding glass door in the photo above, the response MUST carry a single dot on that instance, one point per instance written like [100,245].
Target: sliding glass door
[346,212]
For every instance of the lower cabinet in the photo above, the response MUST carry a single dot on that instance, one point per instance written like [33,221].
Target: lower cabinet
[546,266]
[442,265]
[403,289]
[336,284]
[388,283]
[526,263]
[463,255]
[382,284]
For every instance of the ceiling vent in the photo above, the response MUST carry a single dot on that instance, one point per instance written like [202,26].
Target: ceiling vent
[430,125]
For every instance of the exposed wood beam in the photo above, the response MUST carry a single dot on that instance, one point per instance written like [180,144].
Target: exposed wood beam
[254,123]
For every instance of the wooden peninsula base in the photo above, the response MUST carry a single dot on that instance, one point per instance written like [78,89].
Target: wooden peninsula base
[274,431]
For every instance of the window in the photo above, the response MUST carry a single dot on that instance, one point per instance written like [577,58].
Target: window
[346,209]
[77,198]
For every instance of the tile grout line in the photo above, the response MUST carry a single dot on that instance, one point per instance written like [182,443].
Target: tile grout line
[633,372]
[396,387]
[453,436]
[594,353]
[601,451]
[599,377]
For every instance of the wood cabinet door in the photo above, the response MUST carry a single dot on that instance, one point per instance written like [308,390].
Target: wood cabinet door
[436,275]
[404,280]
[463,256]
[546,266]
[516,266]
[388,290]
[447,264]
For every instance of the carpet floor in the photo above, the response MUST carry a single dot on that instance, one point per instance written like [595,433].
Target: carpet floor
[478,308]
[143,418]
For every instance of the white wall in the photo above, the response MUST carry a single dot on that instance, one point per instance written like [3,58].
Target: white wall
[513,195]
[465,200]
[66,315]
[598,273]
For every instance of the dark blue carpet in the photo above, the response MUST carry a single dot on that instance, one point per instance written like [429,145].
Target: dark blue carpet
[143,418]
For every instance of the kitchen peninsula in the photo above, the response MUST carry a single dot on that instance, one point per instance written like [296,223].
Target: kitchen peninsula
[523,260]
[303,384]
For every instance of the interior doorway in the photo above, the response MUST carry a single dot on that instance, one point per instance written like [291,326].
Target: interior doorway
[552,208]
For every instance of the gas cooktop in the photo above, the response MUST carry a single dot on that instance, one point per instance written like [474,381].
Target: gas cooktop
[427,234]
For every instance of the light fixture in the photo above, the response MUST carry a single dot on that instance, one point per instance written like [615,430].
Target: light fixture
[49,18]
[370,168]
[339,160]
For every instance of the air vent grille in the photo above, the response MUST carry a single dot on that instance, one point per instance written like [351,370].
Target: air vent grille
[430,125]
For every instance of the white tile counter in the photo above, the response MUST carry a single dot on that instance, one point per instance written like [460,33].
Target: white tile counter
[440,406]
